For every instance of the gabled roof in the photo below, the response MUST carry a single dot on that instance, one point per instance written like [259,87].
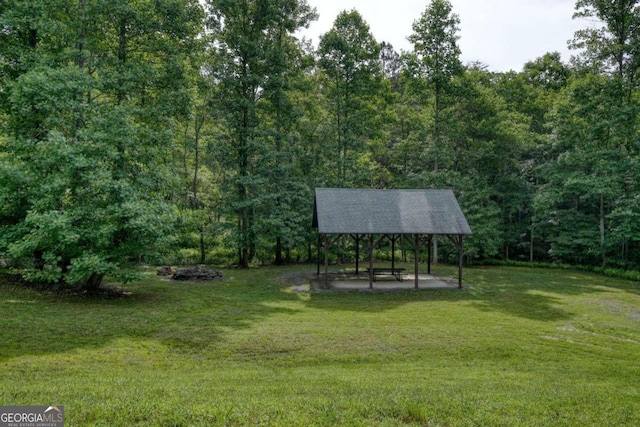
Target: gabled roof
[356,211]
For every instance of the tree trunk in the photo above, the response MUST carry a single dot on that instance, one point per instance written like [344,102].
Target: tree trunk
[436,135]
[122,57]
[278,251]
[203,252]
[602,231]
[92,284]
[531,246]
[81,39]
[244,248]
[195,202]
[435,251]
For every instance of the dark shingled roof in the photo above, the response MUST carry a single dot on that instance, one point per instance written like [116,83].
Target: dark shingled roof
[355,211]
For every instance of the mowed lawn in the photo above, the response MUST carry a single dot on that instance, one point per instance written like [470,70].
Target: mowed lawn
[518,346]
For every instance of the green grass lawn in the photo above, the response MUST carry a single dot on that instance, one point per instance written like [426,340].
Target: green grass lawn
[519,346]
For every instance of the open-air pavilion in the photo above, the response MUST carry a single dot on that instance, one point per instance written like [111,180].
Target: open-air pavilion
[361,214]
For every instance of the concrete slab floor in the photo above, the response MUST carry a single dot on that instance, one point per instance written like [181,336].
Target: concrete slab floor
[361,282]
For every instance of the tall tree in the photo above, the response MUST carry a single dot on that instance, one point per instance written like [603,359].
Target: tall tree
[349,58]
[586,170]
[432,66]
[436,60]
[531,94]
[89,132]
[390,60]
[489,143]
[283,217]
[586,188]
[613,46]
[249,42]
[198,186]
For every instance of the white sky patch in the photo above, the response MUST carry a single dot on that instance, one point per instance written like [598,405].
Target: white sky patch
[503,34]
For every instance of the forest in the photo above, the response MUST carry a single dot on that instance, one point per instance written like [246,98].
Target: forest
[179,131]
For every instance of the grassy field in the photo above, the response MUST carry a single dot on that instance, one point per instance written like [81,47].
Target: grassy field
[517,347]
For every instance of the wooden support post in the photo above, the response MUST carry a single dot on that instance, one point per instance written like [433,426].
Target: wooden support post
[429,256]
[393,252]
[416,258]
[326,259]
[458,242]
[460,261]
[357,237]
[371,261]
[435,250]
[319,254]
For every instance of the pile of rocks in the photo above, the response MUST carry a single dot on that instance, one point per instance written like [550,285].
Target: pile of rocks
[165,271]
[191,273]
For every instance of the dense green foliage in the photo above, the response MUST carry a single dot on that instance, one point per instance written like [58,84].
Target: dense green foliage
[520,347]
[189,131]
[88,109]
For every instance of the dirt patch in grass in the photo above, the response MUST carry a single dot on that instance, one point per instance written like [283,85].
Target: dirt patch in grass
[298,281]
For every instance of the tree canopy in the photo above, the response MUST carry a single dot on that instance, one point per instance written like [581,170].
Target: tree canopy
[181,131]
